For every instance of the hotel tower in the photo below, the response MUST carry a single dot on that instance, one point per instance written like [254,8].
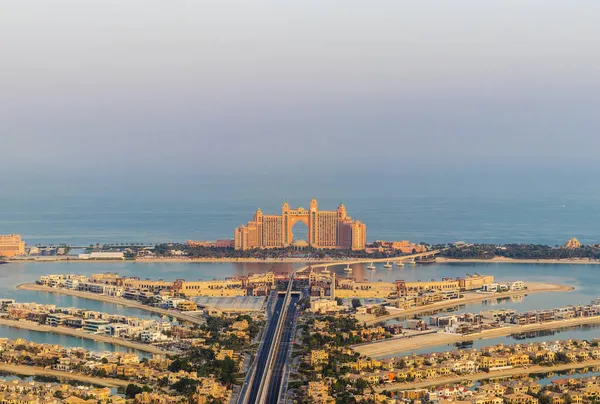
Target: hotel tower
[326,229]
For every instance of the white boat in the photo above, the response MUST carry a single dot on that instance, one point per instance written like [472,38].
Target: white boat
[388,265]
[371,266]
[400,264]
[348,268]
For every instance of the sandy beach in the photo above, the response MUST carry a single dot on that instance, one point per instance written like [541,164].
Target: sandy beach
[29,325]
[38,371]
[398,346]
[439,260]
[484,376]
[64,259]
[504,260]
[111,299]
[532,287]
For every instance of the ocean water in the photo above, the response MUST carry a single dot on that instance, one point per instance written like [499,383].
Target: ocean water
[505,206]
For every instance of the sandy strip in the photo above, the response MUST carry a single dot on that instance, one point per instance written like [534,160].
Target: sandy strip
[504,260]
[471,297]
[38,371]
[29,325]
[396,346]
[63,259]
[227,259]
[111,299]
[484,376]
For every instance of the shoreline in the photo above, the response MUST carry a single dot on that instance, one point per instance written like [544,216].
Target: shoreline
[439,260]
[178,260]
[31,326]
[111,299]
[398,346]
[39,371]
[533,287]
[491,375]
[504,260]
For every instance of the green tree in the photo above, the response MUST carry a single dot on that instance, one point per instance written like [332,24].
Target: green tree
[228,371]
[132,390]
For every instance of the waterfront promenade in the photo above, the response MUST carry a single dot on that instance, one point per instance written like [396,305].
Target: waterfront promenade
[484,376]
[395,346]
[31,326]
[112,299]
[470,298]
[39,371]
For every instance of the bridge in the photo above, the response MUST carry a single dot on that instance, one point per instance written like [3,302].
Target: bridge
[267,378]
[402,259]
[264,383]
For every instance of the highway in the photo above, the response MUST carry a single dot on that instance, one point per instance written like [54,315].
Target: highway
[269,374]
[265,349]
[281,358]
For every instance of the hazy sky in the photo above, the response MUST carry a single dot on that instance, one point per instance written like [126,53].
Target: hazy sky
[214,85]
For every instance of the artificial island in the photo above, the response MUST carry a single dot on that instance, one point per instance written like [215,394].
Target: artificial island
[344,325]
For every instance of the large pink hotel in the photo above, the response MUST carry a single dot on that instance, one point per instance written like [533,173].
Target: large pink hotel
[326,229]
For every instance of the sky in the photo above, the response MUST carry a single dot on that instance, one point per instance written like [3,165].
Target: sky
[254,87]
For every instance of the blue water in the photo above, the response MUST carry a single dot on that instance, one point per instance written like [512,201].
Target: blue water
[435,207]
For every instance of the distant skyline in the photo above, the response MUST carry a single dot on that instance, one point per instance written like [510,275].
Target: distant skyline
[265,86]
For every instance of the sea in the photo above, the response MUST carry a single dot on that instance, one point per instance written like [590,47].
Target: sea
[520,205]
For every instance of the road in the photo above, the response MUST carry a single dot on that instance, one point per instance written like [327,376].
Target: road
[285,343]
[265,349]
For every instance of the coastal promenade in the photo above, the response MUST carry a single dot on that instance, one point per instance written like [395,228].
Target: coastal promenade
[29,325]
[39,371]
[395,346]
[112,299]
[472,297]
[484,376]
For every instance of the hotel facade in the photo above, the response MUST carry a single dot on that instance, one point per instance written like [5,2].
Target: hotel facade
[326,229]
[11,245]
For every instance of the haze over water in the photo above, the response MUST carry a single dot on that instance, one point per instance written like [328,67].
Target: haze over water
[520,205]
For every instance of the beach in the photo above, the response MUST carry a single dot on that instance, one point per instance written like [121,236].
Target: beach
[29,325]
[438,260]
[396,346]
[504,260]
[484,376]
[472,297]
[112,299]
[38,371]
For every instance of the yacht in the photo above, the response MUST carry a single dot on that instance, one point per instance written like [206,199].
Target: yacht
[348,268]
[372,267]
[388,265]
[400,264]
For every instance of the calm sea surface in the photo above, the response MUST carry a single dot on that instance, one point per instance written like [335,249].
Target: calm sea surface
[437,207]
